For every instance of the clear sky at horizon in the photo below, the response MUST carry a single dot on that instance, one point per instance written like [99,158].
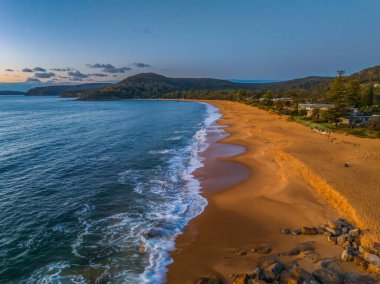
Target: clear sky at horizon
[257,39]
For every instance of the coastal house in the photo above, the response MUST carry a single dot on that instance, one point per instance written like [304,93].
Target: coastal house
[309,107]
[355,118]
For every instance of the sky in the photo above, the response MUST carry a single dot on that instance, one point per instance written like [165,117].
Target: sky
[96,40]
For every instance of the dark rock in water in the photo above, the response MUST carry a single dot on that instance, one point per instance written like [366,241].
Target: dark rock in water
[309,231]
[327,276]
[351,278]
[302,276]
[285,231]
[210,280]
[296,232]
[263,249]
[361,262]
[329,264]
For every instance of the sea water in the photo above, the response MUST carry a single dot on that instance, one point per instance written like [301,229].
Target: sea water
[96,192]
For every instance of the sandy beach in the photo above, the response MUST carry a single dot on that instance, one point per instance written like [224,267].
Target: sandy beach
[270,174]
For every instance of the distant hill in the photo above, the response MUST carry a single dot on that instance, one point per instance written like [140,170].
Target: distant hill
[63,90]
[368,75]
[151,85]
[12,93]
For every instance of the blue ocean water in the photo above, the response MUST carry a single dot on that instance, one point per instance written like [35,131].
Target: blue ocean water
[96,192]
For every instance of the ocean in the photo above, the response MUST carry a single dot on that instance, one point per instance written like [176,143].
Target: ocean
[96,192]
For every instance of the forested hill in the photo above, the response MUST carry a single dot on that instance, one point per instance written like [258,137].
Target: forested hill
[63,90]
[151,85]
[368,75]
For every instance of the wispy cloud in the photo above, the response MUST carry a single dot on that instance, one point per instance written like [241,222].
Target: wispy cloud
[141,65]
[9,70]
[97,75]
[109,68]
[66,69]
[27,70]
[44,75]
[39,69]
[77,75]
[144,30]
[32,80]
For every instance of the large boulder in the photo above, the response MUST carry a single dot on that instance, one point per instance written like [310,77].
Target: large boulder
[329,264]
[361,262]
[352,278]
[241,279]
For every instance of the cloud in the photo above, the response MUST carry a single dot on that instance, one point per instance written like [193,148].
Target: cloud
[39,69]
[9,70]
[97,75]
[62,69]
[44,75]
[76,75]
[32,80]
[28,70]
[109,68]
[142,65]
[143,30]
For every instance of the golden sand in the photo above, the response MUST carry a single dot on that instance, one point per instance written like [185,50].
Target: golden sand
[288,176]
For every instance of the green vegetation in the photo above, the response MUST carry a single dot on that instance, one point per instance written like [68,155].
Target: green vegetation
[63,90]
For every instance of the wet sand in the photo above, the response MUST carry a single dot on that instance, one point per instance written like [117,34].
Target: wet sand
[281,174]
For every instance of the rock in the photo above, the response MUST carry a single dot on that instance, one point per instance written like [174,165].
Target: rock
[276,268]
[347,255]
[329,264]
[268,276]
[241,252]
[337,224]
[286,277]
[327,276]
[241,279]
[361,262]
[352,278]
[346,244]
[312,256]
[372,258]
[302,276]
[332,239]
[341,240]
[333,232]
[321,230]
[285,231]
[307,246]
[210,280]
[263,249]
[309,231]
[354,232]
[296,232]
[265,261]
[344,230]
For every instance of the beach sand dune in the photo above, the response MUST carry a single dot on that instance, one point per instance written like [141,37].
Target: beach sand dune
[289,176]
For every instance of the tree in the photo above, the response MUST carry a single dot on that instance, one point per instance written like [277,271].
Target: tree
[352,93]
[338,96]
[370,95]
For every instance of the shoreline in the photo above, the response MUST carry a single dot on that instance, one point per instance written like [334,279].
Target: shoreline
[249,193]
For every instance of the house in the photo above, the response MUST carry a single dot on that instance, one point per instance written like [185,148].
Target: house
[355,118]
[309,107]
